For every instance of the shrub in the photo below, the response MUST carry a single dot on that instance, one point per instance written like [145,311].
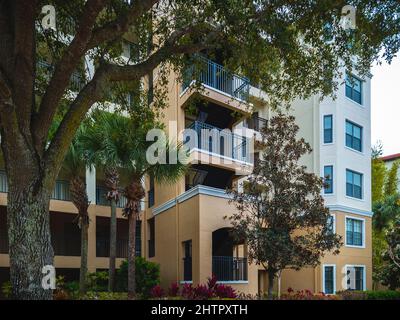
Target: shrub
[383,295]
[156,292]
[187,291]
[97,281]
[202,292]
[173,290]
[93,295]
[225,292]
[306,295]
[6,289]
[147,276]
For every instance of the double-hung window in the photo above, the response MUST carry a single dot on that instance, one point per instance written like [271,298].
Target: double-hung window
[356,278]
[328,129]
[354,88]
[331,224]
[328,179]
[354,232]
[329,279]
[353,136]
[354,182]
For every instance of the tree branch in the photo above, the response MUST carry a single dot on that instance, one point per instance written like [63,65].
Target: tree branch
[63,70]
[120,26]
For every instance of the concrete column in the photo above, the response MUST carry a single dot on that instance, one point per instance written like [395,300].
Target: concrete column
[92,239]
[91,184]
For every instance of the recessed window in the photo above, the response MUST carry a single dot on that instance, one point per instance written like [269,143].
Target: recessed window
[354,88]
[353,136]
[329,279]
[354,232]
[328,129]
[354,182]
[328,179]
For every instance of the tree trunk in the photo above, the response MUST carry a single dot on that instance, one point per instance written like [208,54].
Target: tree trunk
[113,245]
[29,241]
[132,255]
[271,277]
[84,256]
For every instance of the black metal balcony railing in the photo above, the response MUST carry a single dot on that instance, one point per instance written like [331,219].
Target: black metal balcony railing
[60,192]
[103,248]
[216,76]
[101,198]
[229,268]
[152,248]
[256,123]
[77,81]
[187,269]
[227,144]
[66,245]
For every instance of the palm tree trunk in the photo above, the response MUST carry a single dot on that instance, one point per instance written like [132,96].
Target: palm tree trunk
[84,256]
[132,255]
[113,245]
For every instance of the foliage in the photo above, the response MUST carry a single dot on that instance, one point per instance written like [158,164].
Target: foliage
[378,175]
[99,295]
[392,180]
[281,213]
[386,213]
[390,273]
[147,276]
[97,281]
[210,290]
[6,289]
[369,295]
[306,295]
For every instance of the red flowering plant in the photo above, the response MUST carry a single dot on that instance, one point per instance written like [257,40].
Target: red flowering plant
[156,292]
[173,290]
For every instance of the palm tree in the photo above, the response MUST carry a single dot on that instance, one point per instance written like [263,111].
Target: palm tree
[124,144]
[75,164]
[92,139]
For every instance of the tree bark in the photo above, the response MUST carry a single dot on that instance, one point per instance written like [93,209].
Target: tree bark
[113,245]
[132,255]
[84,256]
[29,241]
[271,277]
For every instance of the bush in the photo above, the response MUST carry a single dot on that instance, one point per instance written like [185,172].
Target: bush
[147,276]
[383,295]
[93,295]
[211,290]
[6,289]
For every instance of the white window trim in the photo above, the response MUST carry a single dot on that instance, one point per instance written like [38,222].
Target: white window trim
[334,277]
[333,180]
[362,82]
[364,274]
[323,129]
[362,152]
[345,232]
[362,185]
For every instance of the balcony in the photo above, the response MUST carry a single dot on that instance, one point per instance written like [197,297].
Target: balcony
[221,85]
[221,142]
[227,268]
[256,123]
[101,198]
[60,192]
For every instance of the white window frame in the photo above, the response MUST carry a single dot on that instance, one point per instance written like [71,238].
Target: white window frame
[364,274]
[362,137]
[334,277]
[345,232]
[362,185]
[323,129]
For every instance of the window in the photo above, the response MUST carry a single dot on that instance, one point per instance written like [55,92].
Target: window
[353,136]
[328,129]
[331,224]
[356,278]
[150,193]
[187,260]
[353,88]
[354,182]
[329,279]
[152,242]
[328,179]
[354,232]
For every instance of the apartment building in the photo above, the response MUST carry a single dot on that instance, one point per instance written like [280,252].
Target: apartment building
[184,228]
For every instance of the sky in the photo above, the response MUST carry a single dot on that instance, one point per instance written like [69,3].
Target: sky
[385,106]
